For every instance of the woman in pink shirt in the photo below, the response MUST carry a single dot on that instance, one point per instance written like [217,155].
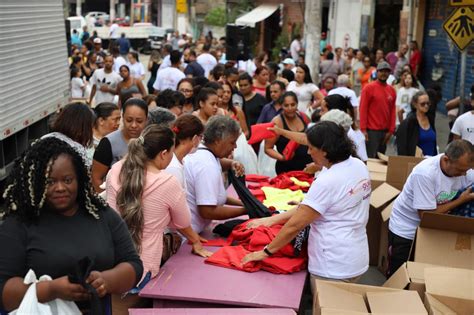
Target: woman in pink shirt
[149,200]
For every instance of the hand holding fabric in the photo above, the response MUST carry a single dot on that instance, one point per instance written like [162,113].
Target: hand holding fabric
[238,168]
[276,130]
[259,222]
[467,195]
[96,280]
[254,256]
[63,289]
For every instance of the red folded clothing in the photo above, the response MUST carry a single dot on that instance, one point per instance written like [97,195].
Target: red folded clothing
[249,240]
[231,257]
[290,149]
[283,265]
[260,132]
[300,175]
[258,193]
[281,182]
[259,185]
[256,178]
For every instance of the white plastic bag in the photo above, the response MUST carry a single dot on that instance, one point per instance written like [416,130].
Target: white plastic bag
[30,305]
[266,164]
[245,154]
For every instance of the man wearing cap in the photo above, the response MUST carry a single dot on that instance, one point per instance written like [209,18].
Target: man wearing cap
[99,51]
[377,111]
[289,64]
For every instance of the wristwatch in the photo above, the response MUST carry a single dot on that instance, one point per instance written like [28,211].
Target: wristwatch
[267,251]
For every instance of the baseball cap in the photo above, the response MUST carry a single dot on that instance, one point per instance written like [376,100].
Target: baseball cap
[97,40]
[383,65]
[289,61]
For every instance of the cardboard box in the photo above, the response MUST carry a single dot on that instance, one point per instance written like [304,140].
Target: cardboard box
[411,276]
[379,200]
[388,174]
[441,240]
[347,298]
[449,291]
[397,171]
[445,240]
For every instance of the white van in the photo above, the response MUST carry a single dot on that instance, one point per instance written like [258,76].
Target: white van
[77,23]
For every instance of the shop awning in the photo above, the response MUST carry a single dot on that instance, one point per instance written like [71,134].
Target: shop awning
[258,14]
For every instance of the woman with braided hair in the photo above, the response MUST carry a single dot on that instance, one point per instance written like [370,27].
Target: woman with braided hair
[53,219]
[149,200]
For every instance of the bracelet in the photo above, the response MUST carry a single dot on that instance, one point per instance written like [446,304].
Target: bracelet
[267,251]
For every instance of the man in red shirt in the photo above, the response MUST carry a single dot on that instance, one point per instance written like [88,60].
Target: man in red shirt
[415,58]
[377,111]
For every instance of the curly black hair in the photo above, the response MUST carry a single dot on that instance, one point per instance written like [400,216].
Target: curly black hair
[25,193]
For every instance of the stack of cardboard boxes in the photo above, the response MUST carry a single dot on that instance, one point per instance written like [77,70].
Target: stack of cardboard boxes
[441,268]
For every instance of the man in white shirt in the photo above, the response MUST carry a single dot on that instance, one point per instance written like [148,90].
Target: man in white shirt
[206,60]
[463,127]
[166,59]
[114,31]
[169,77]
[343,90]
[104,82]
[295,47]
[431,186]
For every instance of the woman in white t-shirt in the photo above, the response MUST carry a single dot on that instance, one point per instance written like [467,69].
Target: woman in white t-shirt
[206,194]
[137,70]
[188,130]
[404,96]
[336,206]
[309,96]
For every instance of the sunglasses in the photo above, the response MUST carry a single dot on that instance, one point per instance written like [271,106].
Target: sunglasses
[425,104]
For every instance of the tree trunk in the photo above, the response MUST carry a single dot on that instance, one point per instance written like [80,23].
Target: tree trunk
[312,36]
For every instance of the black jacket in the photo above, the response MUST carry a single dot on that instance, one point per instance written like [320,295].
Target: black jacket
[407,135]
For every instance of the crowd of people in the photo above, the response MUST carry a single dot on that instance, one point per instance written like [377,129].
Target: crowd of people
[127,173]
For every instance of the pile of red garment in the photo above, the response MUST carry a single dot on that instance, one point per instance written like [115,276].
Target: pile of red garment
[281,181]
[249,240]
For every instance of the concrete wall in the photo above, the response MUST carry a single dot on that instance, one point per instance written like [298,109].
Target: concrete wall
[344,23]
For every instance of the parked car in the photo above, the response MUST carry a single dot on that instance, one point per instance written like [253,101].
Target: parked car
[98,18]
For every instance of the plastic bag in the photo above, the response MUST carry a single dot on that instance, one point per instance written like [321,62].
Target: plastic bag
[245,154]
[30,305]
[266,164]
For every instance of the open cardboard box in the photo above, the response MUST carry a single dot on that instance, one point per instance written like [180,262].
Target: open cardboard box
[441,240]
[348,298]
[388,175]
[449,291]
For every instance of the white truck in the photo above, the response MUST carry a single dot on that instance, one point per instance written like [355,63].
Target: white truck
[143,36]
[34,73]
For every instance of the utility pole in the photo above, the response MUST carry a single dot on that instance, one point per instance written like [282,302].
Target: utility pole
[312,36]
[112,12]
[78,8]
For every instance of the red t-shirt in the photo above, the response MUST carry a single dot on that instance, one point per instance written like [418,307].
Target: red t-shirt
[415,60]
[377,107]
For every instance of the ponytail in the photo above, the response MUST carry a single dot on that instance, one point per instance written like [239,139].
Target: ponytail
[154,139]
[129,198]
